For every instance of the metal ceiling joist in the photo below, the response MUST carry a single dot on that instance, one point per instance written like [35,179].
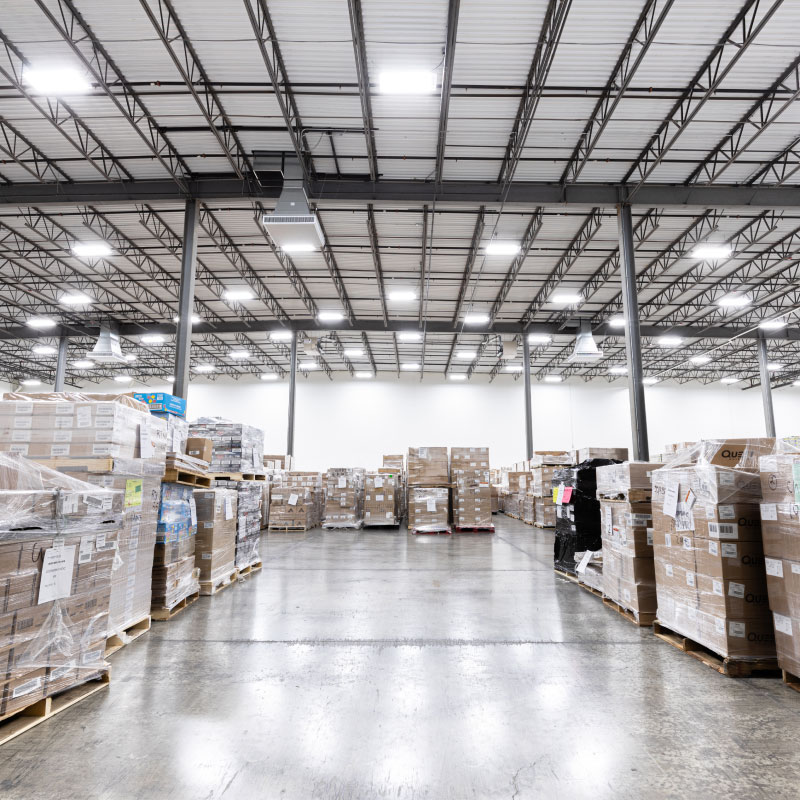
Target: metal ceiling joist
[447,85]
[477,235]
[19,149]
[376,260]
[778,171]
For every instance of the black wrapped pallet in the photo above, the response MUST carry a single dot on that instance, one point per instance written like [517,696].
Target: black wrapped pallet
[578,520]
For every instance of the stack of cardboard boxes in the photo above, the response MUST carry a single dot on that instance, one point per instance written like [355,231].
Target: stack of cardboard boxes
[296,502]
[344,498]
[215,547]
[472,493]
[58,540]
[518,482]
[624,491]
[544,515]
[428,489]
[382,495]
[237,448]
[394,465]
[248,519]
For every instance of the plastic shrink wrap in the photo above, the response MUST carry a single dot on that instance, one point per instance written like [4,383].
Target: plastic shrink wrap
[344,498]
[429,509]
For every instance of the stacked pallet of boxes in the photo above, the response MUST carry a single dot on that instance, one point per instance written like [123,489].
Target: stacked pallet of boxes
[624,491]
[395,465]
[518,483]
[707,542]
[382,493]
[344,498]
[296,504]
[113,442]
[428,490]
[238,452]
[472,498]
[543,466]
[215,548]
[172,410]
[58,540]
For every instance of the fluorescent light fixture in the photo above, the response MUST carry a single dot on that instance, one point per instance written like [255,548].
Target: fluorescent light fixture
[773,367]
[795,383]
[330,316]
[91,249]
[168,379]
[238,295]
[76,299]
[412,81]
[123,378]
[204,368]
[354,352]
[669,341]
[307,365]
[617,322]
[409,336]
[650,381]
[281,336]
[553,379]
[772,324]
[30,382]
[268,376]
[239,354]
[729,380]
[56,82]
[153,338]
[514,368]
[402,295]
[130,358]
[41,323]
[410,366]
[733,301]
[44,350]
[195,319]
[566,298]
[365,375]
[620,370]
[466,355]
[457,376]
[83,363]
[700,360]
[298,247]
[711,252]
[499,248]
[539,338]
[476,318]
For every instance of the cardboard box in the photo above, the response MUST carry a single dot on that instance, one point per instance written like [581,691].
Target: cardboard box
[163,402]
[382,499]
[215,543]
[199,448]
[428,466]
[429,509]
[618,479]
[611,453]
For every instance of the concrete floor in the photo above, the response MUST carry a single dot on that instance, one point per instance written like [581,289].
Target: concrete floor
[378,665]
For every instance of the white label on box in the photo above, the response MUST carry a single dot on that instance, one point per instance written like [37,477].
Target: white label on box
[626,595]
[737,629]
[782,624]
[728,550]
[795,568]
[717,587]
[668,570]
[64,409]
[228,507]
[103,436]
[736,590]
[719,625]
[176,440]
[690,579]
[206,556]
[690,499]
[713,548]
[23,408]
[23,422]
[582,564]
[769,511]
[342,484]
[768,464]
[723,530]
[379,483]
[650,536]
[389,515]
[523,482]
[668,539]
[774,567]
[62,436]
[684,519]
[727,512]
[102,449]
[62,671]
[21,436]
[686,542]
[671,500]
[85,550]
[207,524]
[69,503]
[27,687]
[145,442]
[58,542]
[92,657]
[293,499]
[59,450]
[431,503]
[193,511]
[56,579]
[727,478]
[101,541]
[379,498]
[62,423]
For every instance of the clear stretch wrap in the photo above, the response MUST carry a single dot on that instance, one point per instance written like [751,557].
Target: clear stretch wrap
[237,447]
[395,462]
[58,545]
[563,458]
[248,519]
[215,547]
[382,492]
[266,490]
[428,465]
[602,453]
[344,498]
[589,568]
[473,499]
[709,556]
[544,512]
[293,508]
[542,481]
[177,431]
[429,509]
[617,480]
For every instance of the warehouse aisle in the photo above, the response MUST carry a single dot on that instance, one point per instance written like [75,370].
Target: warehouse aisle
[363,665]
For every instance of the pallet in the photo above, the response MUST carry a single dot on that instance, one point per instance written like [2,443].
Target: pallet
[543,527]
[166,614]
[209,588]
[732,667]
[645,619]
[249,569]
[566,575]
[792,681]
[186,478]
[89,464]
[47,707]
[288,528]
[418,532]
[468,529]
[235,476]
[394,524]
[590,589]
[132,632]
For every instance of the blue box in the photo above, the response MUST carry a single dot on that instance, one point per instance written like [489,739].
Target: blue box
[163,402]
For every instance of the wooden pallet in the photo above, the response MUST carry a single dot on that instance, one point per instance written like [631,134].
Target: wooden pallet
[166,614]
[288,528]
[88,464]
[249,569]
[543,527]
[42,710]
[186,477]
[732,667]
[132,632]
[209,588]
[382,524]
[468,529]
[590,589]
[235,476]
[566,575]
[645,619]
[418,532]
[792,681]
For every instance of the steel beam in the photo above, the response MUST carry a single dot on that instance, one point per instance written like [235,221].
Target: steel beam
[183,340]
[633,343]
[766,389]
[292,389]
[526,383]
[61,364]
[447,84]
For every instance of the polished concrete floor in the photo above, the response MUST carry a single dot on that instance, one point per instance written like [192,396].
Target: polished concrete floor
[378,665]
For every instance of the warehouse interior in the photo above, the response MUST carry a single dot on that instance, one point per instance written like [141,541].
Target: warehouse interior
[398,399]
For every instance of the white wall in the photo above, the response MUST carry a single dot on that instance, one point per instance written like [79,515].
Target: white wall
[352,423]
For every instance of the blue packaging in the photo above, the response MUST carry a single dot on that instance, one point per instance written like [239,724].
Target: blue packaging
[163,402]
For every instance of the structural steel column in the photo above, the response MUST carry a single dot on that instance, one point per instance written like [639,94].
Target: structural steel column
[766,389]
[183,340]
[633,342]
[292,385]
[526,378]
[61,364]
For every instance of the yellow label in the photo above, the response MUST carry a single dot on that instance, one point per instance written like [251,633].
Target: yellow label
[133,493]
[555,494]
